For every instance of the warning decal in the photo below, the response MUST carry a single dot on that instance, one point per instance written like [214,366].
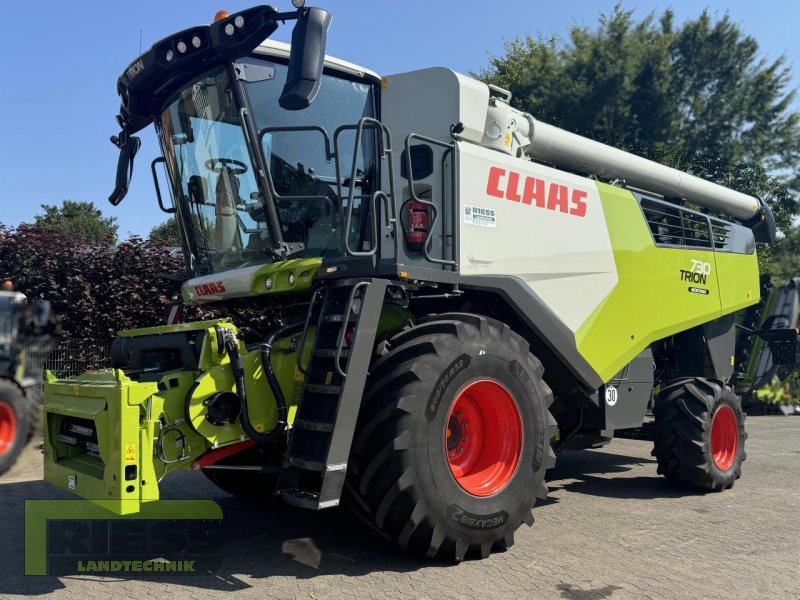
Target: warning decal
[130,453]
[477,215]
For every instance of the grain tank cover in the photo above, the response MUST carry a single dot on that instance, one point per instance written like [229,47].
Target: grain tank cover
[429,101]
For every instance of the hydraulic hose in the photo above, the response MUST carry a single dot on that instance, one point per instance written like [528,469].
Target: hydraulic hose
[237,366]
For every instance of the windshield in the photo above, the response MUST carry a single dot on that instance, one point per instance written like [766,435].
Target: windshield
[218,202]
[303,178]
[217,199]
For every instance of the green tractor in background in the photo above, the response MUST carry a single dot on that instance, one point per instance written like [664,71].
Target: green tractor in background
[25,341]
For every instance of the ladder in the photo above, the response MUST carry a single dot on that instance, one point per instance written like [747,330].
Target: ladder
[315,464]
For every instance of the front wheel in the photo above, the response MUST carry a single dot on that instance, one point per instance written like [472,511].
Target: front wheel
[698,435]
[453,439]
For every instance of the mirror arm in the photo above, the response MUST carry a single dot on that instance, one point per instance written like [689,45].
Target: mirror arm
[128,147]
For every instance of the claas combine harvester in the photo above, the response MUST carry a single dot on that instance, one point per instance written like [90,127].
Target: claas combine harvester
[464,291]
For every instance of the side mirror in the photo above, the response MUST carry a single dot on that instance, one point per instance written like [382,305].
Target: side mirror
[127,152]
[763,225]
[306,59]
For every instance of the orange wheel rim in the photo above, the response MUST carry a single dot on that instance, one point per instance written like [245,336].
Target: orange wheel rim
[483,437]
[8,426]
[724,437]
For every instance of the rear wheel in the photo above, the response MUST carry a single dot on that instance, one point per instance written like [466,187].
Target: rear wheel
[14,423]
[453,439]
[699,434]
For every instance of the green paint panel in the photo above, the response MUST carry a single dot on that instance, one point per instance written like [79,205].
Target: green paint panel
[130,415]
[303,270]
[115,405]
[159,329]
[738,282]
[651,299]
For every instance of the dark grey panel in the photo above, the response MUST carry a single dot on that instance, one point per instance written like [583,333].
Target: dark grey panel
[625,399]
[720,336]
[542,321]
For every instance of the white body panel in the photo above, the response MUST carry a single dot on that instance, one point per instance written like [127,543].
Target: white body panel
[281,50]
[565,256]
[236,283]
[429,101]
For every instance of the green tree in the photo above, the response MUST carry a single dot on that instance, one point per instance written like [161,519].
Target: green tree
[81,222]
[698,97]
[786,256]
[165,234]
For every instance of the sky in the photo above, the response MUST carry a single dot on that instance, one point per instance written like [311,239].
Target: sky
[60,66]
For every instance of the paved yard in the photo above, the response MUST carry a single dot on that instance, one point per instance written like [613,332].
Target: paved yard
[610,529]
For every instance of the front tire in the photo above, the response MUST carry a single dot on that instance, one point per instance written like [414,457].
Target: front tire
[15,423]
[453,438]
[698,435]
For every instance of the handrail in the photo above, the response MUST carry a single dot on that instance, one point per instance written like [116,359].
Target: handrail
[328,156]
[322,130]
[414,198]
[299,357]
[385,147]
[340,342]
[159,159]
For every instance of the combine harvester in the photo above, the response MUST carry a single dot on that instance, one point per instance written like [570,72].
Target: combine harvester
[459,291]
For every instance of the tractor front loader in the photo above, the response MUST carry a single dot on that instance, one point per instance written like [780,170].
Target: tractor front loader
[458,290]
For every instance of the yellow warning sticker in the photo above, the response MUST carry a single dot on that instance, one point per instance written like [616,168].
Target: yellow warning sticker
[130,453]
[384,84]
[507,141]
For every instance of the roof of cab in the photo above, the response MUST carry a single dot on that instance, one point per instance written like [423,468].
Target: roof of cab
[280,49]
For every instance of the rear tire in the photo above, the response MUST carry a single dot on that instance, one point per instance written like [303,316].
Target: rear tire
[407,477]
[15,423]
[698,435]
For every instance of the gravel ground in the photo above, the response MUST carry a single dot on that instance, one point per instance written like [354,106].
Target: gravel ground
[611,528]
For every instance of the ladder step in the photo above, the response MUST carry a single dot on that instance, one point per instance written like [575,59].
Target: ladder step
[315,464]
[337,318]
[311,425]
[333,390]
[306,499]
[331,353]
[305,463]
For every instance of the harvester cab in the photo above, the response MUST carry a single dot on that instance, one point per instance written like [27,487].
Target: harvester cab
[456,289]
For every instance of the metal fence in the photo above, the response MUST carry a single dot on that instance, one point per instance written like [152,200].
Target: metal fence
[37,352]
[73,357]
